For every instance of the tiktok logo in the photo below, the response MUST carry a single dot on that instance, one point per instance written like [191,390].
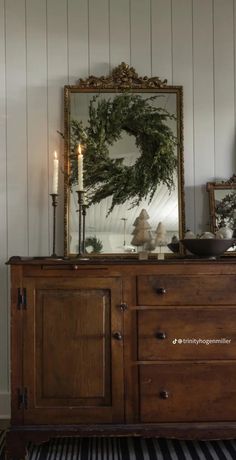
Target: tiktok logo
[174,341]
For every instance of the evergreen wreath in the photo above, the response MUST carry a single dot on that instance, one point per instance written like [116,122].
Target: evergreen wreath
[105,176]
[95,243]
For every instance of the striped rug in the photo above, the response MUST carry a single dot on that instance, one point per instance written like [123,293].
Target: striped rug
[129,449]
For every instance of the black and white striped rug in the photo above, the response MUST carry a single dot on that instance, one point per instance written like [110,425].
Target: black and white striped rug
[129,449]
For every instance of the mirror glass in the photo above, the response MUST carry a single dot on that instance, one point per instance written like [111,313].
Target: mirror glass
[110,231]
[222,206]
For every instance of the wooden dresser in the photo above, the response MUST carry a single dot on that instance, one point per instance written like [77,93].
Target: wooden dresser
[122,347]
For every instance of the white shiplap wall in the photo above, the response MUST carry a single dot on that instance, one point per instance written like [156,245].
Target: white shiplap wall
[49,43]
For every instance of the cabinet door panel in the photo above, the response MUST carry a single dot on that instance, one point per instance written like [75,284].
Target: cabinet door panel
[73,366]
[73,346]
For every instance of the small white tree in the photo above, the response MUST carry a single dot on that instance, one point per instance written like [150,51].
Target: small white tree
[141,231]
[161,237]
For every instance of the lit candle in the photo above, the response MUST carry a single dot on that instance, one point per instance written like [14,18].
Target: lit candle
[55,174]
[80,170]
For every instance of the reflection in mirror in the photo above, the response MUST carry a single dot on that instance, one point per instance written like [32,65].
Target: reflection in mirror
[222,205]
[113,205]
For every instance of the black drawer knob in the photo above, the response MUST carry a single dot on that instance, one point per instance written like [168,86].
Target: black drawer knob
[161,335]
[164,394]
[123,306]
[117,335]
[161,290]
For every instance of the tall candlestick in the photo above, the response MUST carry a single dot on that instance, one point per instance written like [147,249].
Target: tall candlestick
[80,170]
[85,202]
[54,205]
[55,174]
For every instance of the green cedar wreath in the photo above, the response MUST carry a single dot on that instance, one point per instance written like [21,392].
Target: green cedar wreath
[94,243]
[105,176]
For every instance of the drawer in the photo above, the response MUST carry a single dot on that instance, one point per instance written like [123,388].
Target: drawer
[160,333]
[187,392]
[186,290]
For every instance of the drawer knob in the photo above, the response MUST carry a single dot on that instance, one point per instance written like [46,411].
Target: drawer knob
[161,335]
[123,306]
[161,290]
[117,335]
[75,267]
[164,394]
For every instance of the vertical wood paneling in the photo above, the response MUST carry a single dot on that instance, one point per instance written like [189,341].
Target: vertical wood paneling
[203,107]
[119,32]
[161,39]
[99,49]
[224,88]
[183,75]
[141,36]
[3,211]
[57,73]
[16,160]
[4,405]
[78,51]
[17,177]
[37,127]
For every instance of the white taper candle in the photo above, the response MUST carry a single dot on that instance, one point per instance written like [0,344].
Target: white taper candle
[55,174]
[80,170]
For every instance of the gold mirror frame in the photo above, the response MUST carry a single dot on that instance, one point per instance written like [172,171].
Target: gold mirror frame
[224,188]
[123,78]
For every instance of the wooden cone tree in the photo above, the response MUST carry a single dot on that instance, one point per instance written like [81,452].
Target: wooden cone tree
[141,231]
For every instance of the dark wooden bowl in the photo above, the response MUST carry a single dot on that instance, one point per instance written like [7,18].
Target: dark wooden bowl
[209,247]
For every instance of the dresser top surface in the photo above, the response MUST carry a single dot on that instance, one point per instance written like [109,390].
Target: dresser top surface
[120,260]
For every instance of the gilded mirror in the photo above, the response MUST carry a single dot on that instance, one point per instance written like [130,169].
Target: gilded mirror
[222,206]
[112,120]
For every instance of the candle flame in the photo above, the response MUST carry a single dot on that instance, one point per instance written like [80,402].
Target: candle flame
[55,155]
[79,149]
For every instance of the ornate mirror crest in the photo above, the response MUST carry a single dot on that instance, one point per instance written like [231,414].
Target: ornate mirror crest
[121,78]
[122,96]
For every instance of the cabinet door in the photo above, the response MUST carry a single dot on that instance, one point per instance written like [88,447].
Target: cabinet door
[73,351]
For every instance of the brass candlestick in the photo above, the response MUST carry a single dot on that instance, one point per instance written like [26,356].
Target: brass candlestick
[54,205]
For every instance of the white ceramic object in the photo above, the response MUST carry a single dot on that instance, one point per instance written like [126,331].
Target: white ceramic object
[189,235]
[207,236]
[219,235]
[225,233]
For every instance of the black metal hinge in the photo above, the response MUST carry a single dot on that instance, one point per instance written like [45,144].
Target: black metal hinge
[22,398]
[21,298]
